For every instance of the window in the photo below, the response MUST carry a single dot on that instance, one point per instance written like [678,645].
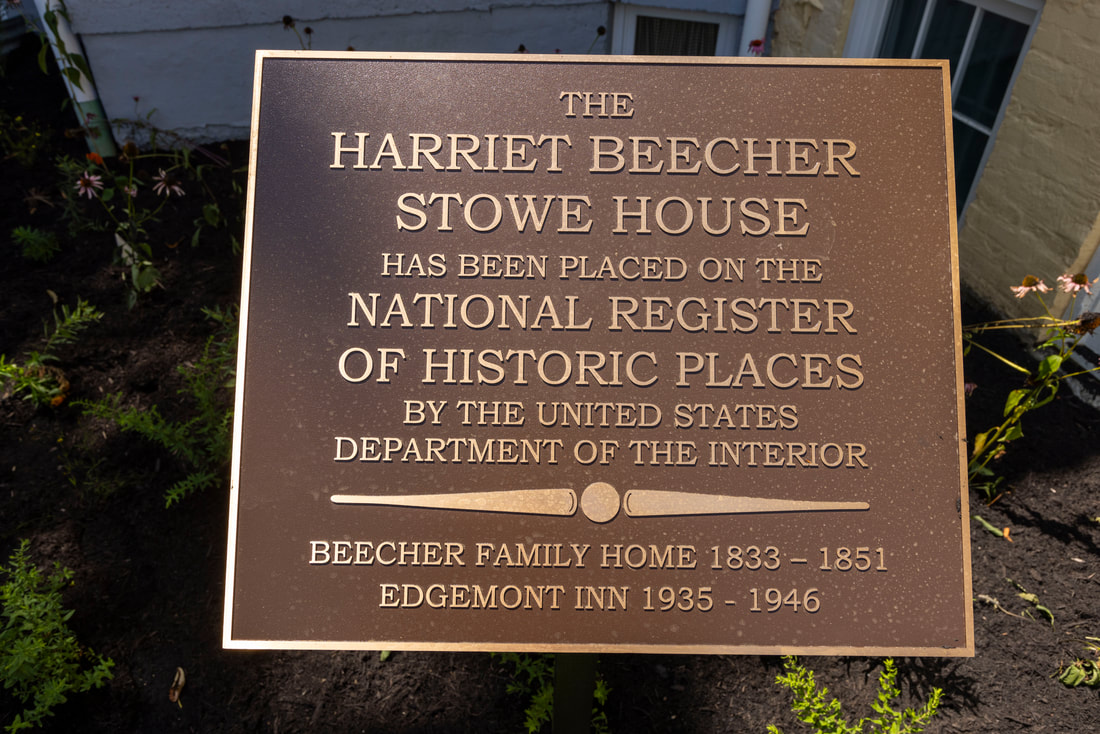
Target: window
[985,41]
[652,31]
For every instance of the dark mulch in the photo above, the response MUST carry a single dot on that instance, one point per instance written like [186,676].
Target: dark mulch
[149,580]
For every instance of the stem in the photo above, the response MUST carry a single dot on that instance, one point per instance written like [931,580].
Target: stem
[989,526]
[130,199]
[1062,332]
[972,468]
[1045,307]
[989,351]
[1067,335]
[1018,411]
[1081,372]
[1048,322]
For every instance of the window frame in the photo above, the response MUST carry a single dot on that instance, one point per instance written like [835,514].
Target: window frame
[624,26]
[868,23]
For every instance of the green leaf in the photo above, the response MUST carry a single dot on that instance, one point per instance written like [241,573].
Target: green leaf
[979,443]
[42,58]
[1013,433]
[1052,342]
[602,692]
[73,75]
[1082,672]
[1050,366]
[993,530]
[1014,399]
[144,277]
[80,63]
[1051,391]
[1073,676]
[40,659]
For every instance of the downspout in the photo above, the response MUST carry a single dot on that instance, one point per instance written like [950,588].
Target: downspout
[754,27]
[86,105]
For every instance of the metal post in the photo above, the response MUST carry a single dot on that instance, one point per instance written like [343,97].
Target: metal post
[574,683]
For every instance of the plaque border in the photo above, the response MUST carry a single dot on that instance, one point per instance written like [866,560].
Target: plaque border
[231,642]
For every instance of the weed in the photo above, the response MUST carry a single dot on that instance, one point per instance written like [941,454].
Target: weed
[40,658]
[36,379]
[118,188]
[74,69]
[533,678]
[24,141]
[601,693]
[601,31]
[36,244]
[129,210]
[1062,337]
[1033,600]
[132,192]
[305,42]
[993,529]
[1083,672]
[211,217]
[73,214]
[74,64]
[87,470]
[203,441]
[1023,593]
[813,706]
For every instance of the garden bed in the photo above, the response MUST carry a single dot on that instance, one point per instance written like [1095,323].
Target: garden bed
[148,586]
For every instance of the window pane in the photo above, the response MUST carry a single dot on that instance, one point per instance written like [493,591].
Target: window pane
[900,33]
[670,37]
[969,146]
[992,61]
[947,32]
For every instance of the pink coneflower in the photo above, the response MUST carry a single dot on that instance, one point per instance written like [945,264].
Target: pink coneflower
[167,184]
[89,184]
[756,47]
[1029,284]
[130,190]
[129,151]
[1074,283]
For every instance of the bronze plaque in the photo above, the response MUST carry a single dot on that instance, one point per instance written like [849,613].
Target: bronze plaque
[599,354]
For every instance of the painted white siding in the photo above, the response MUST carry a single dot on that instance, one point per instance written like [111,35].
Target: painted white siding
[130,16]
[192,61]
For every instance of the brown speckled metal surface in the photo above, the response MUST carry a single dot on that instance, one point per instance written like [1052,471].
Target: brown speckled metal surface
[709,404]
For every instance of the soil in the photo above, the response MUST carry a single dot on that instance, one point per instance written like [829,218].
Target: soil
[149,580]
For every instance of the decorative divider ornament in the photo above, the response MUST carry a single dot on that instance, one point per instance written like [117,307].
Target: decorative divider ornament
[599,502]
